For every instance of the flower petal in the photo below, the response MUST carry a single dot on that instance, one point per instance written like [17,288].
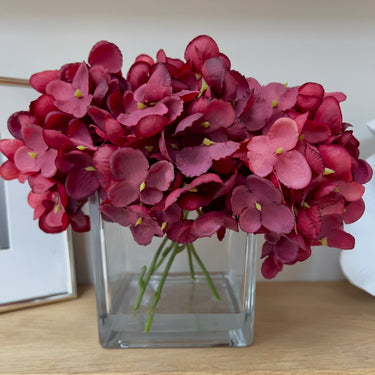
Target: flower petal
[283,134]
[250,220]
[261,155]
[293,170]
[106,54]
[277,218]
[129,164]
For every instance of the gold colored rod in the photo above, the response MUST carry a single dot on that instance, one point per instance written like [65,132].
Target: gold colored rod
[9,81]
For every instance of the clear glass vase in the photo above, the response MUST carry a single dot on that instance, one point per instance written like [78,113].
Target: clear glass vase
[187,314]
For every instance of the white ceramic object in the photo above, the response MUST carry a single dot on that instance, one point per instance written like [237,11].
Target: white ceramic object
[358,265]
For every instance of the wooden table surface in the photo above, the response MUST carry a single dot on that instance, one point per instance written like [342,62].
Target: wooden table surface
[300,328]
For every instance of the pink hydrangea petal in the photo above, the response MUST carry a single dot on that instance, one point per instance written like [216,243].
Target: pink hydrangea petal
[123,193]
[17,121]
[331,204]
[286,251]
[337,159]
[353,211]
[187,122]
[145,232]
[24,162]
[106,54]
[213,73]
[175,106]
[101,160]
[160,175]
[80,133]
[55,139]
[159,84]
[283,134]
[46,162]
[329,113]
[33,138]
[315,132]
[8,171]
[241,198]
[263,190]
[138,74]
[341,240]
[79,221]
[40,80]
[8,147]
[261,155]
[129,164]
[310,95]
[339,96]
[309,222]
[208,224]
[314,159]
[363,172]
[151,196]
[351,191]
[36,202]
[150,125]
[81,183]
[250,220]
[201,180]
[42,106]
[195,161]
[134,118]
[219,114]
[270,268]
[114,131]
[199,50]
[40,184]
[277,218]
[120,215]
[293,170]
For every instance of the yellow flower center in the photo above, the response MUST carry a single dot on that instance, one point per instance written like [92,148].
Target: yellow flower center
[33,155]
[279,151]
[207,142]
[141,105]
[139,221]
[81,147]
[142,186]
[90,168]
[324,241]
[274,103]
[328,171]
[57,208]
[78,93]
[258,206]
[163,225]
[205,124]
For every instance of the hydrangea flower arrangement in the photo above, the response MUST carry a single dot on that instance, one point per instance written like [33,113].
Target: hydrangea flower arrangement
[178,136]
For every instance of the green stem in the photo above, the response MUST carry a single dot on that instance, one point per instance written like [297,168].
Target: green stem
[176,250]
[205,272]
[143,283]
[164,255]
[191,265]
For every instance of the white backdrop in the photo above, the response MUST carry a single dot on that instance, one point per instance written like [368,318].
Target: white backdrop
[294,41]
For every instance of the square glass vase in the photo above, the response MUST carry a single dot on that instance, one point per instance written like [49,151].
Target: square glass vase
[187,313]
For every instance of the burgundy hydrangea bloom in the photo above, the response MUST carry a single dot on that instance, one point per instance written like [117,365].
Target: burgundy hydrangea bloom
[74,97]
[259,203]
[275,152]
[188,148]
[35,156]
[134,179]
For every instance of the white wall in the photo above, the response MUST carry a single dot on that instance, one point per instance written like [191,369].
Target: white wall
[328,41]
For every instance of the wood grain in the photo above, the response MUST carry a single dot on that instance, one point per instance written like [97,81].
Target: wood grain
[300,328]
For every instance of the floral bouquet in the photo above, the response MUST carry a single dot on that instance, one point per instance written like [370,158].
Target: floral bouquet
[184,149]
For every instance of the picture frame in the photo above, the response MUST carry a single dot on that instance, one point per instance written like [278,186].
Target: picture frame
[35,267]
